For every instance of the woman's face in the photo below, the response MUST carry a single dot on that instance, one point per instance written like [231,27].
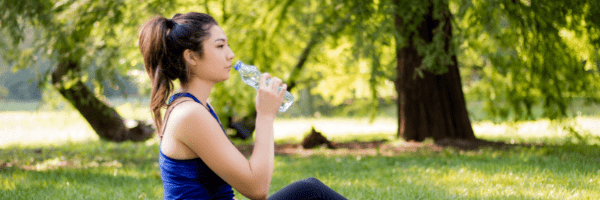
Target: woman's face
[215,64]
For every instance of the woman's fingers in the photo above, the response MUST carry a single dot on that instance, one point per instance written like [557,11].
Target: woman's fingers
[270,95]
[282,91]
[274,84]
[263,80]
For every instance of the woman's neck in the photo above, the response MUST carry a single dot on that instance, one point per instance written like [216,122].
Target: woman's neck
[199,88]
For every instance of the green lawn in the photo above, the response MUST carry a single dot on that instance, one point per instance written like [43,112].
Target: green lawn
[56,155]
[104,170]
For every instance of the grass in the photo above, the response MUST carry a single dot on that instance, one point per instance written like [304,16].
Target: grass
[55,154]
[541,173]
[86,170]
[105,170]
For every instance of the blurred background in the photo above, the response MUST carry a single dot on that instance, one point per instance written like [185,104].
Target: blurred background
[407,65]
[511,85]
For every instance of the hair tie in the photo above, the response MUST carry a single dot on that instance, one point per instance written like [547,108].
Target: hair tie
[178,31]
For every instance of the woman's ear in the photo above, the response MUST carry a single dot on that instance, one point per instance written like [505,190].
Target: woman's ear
[190,57]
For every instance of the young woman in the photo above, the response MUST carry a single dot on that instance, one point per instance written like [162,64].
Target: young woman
[197,160]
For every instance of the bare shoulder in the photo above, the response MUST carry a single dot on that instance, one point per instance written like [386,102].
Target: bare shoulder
[179,126]
[194,126]
[189,116]
[186,109]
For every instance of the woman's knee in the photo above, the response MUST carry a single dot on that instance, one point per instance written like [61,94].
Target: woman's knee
[312,180]
[307,188]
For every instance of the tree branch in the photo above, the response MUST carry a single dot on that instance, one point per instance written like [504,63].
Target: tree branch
[303,57]
[207,7]
[225,15]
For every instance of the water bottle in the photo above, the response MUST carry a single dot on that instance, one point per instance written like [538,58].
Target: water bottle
[251,76]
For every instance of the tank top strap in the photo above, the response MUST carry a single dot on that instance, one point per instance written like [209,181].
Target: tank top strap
[212,112]
[185,94]
[167,113]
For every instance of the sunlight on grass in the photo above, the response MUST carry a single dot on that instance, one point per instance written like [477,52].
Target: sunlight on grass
[53,154]
[106,170]
[35,128]
[457,175]
[84,170]
[540,131]
[332,127]
[507,183]
[55,127]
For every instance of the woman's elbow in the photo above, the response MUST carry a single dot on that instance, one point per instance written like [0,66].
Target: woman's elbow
[256,195]
[256,189]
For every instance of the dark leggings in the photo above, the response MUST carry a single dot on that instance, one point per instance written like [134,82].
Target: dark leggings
[310,188]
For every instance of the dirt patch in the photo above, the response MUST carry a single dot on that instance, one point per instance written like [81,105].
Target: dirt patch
[470,144]
[381,147]
[373,148]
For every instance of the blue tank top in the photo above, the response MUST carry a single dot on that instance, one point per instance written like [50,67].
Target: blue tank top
[192,178]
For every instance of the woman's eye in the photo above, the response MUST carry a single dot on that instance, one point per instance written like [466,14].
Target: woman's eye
[220,46]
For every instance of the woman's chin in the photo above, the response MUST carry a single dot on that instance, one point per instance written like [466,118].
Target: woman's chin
[226,78]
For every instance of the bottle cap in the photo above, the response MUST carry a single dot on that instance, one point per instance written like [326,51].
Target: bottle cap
[237,65]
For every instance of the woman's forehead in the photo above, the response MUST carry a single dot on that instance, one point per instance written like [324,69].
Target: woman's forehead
[216,33]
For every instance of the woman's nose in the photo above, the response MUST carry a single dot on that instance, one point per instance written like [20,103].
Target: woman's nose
[231,55]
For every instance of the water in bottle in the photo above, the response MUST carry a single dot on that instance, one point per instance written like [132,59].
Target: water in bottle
[251,76]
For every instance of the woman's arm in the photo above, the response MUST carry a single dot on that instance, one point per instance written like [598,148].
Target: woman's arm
[195,127]
[268,101]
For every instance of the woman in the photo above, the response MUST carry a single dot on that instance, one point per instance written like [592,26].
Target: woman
[197,160]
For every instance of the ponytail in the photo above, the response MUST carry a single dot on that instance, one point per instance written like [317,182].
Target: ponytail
[153,45]
[162,42]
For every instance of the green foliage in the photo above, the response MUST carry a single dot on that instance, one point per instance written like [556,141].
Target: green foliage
[436,54]
[89,33]
[345,63]
[351,51]
[531,52]
[521,52]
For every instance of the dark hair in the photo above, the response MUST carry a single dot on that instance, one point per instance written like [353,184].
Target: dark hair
[162,42]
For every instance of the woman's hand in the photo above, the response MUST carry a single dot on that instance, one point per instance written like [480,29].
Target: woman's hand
[269,97]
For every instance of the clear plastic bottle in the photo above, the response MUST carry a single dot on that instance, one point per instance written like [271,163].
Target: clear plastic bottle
[250,75]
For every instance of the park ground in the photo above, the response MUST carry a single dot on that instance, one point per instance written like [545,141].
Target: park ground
[55,154]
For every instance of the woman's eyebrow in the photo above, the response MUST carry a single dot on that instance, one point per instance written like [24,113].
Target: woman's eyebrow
[220,39]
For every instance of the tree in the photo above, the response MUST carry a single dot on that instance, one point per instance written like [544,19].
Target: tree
[431,102]
[76,34]
[79,35]
[527,51]
[415,38]
[364,19]
[525,45]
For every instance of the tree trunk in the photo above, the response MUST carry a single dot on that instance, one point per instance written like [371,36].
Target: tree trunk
[431,106]
[105,120]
